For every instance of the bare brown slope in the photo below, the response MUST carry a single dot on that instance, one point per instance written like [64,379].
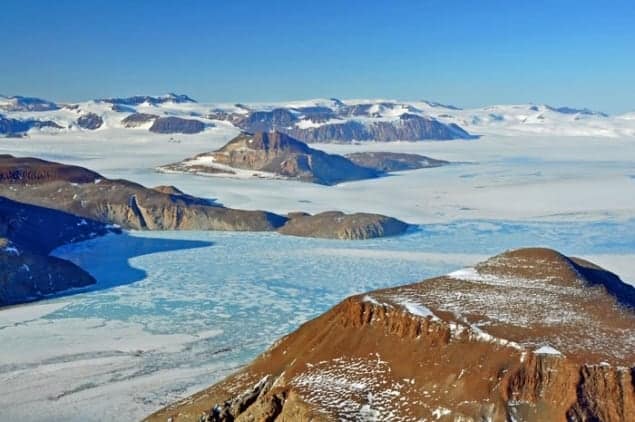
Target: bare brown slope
[279,154]
[464,345]
[84,193]
[337,225]
[23,170]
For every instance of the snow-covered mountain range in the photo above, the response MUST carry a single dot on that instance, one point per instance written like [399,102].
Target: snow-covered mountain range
[317,120]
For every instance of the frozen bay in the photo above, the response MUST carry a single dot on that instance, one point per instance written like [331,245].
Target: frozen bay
[176,311]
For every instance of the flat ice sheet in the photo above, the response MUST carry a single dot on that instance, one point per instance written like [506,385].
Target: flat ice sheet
[513,177]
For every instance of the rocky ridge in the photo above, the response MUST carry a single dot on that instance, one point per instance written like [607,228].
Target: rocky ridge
[44,205]
[20,103]
[274,153]
[173,124]
[339,122]
[10,127]
[84,193]
[329,120]
[90,121]
[27,235]
[529,335]
[141,99]
[337,225]
[386,162]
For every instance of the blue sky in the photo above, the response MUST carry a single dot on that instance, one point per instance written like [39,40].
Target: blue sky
[469,53]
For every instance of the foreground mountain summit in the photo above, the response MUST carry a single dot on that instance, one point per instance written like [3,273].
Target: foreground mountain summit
[529,335]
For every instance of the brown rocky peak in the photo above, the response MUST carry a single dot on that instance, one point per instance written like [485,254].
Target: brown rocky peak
[532,264]
[267,141]
[524,336]
[554,268]
[539,297]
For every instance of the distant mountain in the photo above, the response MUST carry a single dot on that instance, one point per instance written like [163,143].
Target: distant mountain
[19,103]
[90,121]
[347,123]
[141,99]
[177,125]
[441,105]
[311,121]
[583,111]
[529,335]
[278,154]
[18,127]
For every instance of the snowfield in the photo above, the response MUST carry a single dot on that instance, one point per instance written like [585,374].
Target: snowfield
[176,311]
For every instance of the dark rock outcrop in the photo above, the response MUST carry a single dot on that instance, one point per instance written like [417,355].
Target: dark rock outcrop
[265,121]
[17,127]
[13,127]
[347,123]
[138,119]
[27,277]
[436,104]
[27,234]
[347,131]
[582,111]
[141,99]
[19,103]
[86,194]
[393,161]
[337,225]
[120,108]
[90,121]
[277,153]
[40,229]
[176,125]
[524,336]
[27,170]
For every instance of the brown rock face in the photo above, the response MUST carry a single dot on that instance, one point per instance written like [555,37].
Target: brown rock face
[529,335]
[278,154]
[26,170]
[337,225]
[84,193]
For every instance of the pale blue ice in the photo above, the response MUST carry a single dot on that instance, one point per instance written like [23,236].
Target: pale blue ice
[250,288]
